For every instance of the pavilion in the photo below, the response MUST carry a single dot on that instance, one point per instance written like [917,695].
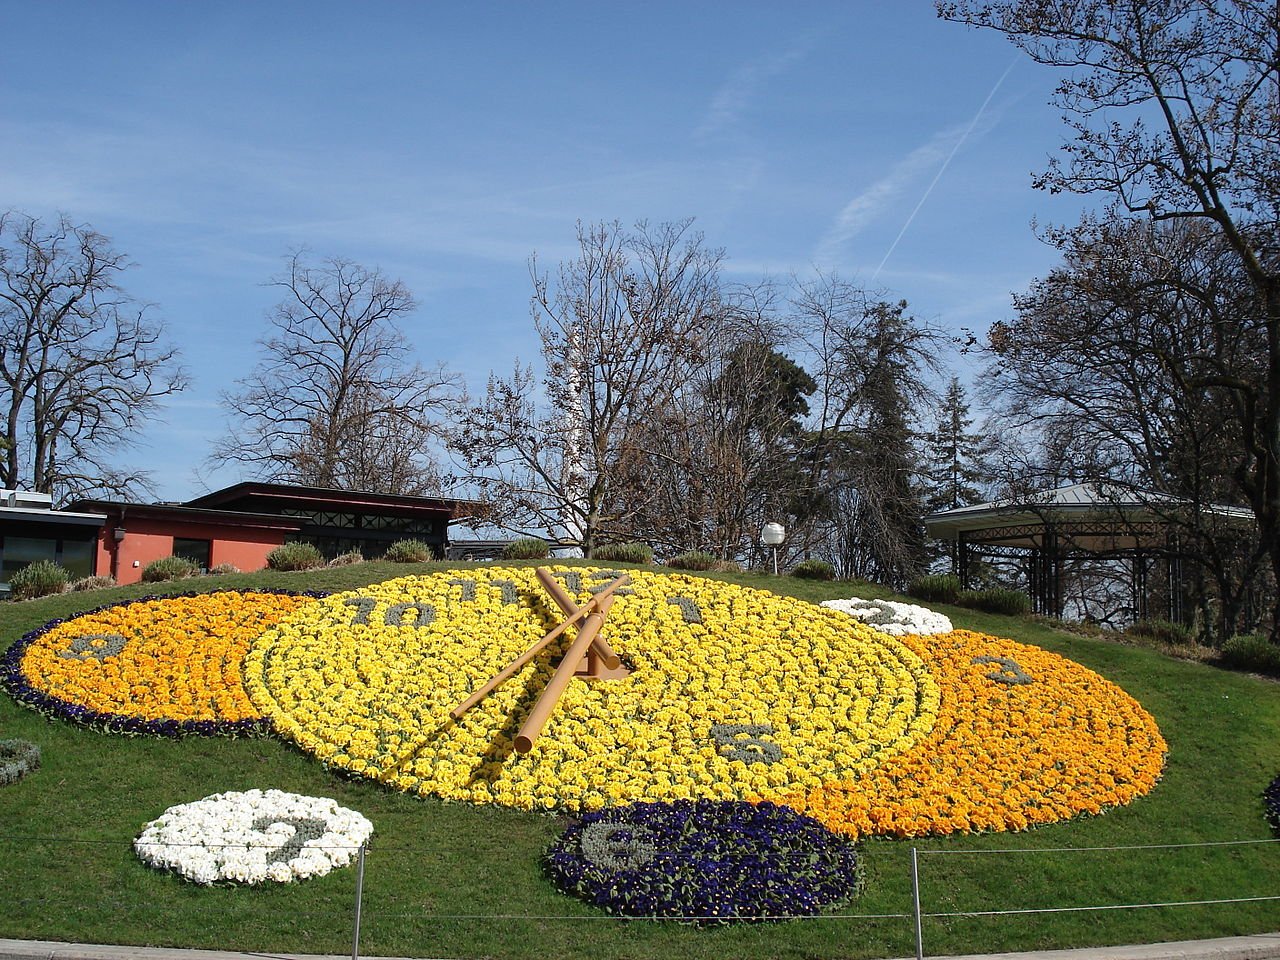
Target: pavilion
[1097,519]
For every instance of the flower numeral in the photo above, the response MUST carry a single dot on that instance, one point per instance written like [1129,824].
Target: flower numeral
[1009,673]
[688,609]
[607,577]
[510,595]
[742,741]
[94,646]
[617,846]
[468,589]
[364,606]
[305,829]
[424,613]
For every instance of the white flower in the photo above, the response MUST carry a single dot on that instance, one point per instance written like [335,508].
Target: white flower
[891,617]
[253,836]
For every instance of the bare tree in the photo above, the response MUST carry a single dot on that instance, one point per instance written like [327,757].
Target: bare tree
[337,400]
[82,367]
[1197,81]
[616,329]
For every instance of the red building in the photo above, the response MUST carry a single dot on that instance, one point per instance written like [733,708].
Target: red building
[243,523]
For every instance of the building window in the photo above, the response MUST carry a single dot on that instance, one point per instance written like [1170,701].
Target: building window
[197,551]
[76,558]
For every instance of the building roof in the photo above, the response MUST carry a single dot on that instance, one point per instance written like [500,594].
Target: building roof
[123,511]
[1105,512]
[259,495]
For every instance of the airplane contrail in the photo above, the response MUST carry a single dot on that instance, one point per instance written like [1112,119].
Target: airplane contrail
[945,163]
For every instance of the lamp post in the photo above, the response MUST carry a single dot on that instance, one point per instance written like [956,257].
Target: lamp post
[772,534]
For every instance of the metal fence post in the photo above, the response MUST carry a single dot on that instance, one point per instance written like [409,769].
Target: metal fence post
[355,935]
[915,902]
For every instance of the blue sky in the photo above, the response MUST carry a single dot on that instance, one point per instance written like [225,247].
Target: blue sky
[445,143]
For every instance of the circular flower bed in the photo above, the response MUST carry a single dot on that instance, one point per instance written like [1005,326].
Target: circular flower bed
[892,617]
[1271,803]
[158,665]
[704,861]
[252,837]
[1023,737]
[735,693]
[17,759]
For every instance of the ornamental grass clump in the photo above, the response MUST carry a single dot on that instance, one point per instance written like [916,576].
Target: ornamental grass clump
[347,559]
[631,552]
[693,560]
[526,548]
[936,588]
[813,570]
[39,579]
[17,759]
[1252,652]
[1156,632]
[408,551]
[169,568]
[91,583]
[1010,603]
[704,862]
[295,556]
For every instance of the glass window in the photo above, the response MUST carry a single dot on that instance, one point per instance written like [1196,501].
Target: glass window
[77,558]
[197,551]
[17,552]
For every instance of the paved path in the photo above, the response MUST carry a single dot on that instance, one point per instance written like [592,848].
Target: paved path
[1260,947]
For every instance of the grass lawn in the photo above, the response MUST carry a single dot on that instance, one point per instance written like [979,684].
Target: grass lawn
[452,880]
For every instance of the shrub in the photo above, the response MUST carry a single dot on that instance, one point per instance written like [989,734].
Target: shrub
[224,568]
[408,551]
[1011,603]
[727,566]
[295,556]
[526,548]
[943,588]
[37,579]
[693,560]
[1159,631]
[1253,652]
[813,570]
[92,583]
[632,552]
[346,559]
[169,568]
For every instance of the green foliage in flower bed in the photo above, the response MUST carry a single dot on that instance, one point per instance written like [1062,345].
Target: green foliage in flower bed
[693,560]
[37,579]
[1271,803]
[623,553]
[449,879]
[526,548]
[935,588]
[169,568]
[813,570]
[1252,652]
[408,551]
[17,759]
[295,556]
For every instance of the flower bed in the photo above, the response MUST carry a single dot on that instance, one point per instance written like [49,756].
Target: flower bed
[1271,803]
[253,837]
[704,861]
[157,665]
[892,617]
[736,693]
[17,759]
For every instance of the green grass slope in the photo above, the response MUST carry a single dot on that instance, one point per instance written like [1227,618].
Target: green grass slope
[454,880]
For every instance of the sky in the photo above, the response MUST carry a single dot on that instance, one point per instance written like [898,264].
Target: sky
[446,143]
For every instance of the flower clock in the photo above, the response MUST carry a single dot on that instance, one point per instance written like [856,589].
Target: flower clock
[253,837]
[569,689]
[704,861]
